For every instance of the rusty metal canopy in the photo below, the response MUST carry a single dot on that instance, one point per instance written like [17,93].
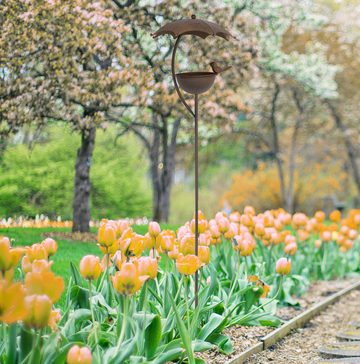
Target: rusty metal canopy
[193,26]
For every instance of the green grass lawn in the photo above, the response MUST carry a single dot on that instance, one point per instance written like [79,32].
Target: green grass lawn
[68,250]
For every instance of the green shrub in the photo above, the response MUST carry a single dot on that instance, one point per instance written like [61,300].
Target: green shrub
[40,180]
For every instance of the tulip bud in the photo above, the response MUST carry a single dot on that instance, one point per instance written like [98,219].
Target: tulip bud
[77,355]
[318,243]
[38,311]
[50,246]
[283,266]
[90,267]
[154,229]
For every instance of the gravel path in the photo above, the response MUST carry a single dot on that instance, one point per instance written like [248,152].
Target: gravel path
[243,337]
[301,346]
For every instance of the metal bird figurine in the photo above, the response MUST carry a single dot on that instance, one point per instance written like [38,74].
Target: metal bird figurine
[217,69]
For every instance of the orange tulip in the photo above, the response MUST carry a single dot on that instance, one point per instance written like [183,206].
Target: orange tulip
[38,309]
[283,266]
[335,216]
[187,244]
[148,266]
[204,254]
[90,267]
[77,355]
[40,266]
[9,257]
[50,246]
[320,216]
[54,318]
[128,280]
[173,254]
[166,240]
[106,234]
[26,264]
[259,229]
[45,282]
[223,224]
[188,264]
[36,252]
[249,210]
[202,225]
[290,248]
[12,302]
[215,232]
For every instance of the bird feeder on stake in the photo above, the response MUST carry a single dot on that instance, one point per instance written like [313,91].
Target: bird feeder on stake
[194,83]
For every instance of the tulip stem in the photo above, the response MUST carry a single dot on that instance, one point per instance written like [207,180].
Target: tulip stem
[124,323]
[93,321]
[265,303]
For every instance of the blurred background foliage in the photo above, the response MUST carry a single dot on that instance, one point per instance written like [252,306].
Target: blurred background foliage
[281,129]
[37,175]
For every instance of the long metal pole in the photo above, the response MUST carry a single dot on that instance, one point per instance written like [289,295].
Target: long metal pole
[196,196]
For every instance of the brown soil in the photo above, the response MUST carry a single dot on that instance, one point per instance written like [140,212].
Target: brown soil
[243,337]
[75,237]
[301,346]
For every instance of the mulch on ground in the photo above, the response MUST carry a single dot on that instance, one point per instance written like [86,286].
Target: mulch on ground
[75,237]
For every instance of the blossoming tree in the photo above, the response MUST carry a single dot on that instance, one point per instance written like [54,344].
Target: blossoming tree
[63,61]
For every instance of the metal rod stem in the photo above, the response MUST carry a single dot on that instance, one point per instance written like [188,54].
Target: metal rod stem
[196,195]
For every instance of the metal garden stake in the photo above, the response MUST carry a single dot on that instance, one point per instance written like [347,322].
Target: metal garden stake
[194,83]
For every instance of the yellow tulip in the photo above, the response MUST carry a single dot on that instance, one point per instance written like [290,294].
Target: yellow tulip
[12,302]
[188,264]
[38,311]
[77,355]
[128,280]
[90,267]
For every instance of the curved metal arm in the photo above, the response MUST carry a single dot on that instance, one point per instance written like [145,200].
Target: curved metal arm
[182,99]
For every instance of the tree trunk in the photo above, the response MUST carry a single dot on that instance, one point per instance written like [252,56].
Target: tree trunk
[82,184]
[290,197]
[276,144]
[162,172]
[349,146]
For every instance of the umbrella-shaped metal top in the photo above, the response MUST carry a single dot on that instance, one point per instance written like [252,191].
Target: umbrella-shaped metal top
[198,27]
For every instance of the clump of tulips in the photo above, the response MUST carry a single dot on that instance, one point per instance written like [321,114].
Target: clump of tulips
[135,301]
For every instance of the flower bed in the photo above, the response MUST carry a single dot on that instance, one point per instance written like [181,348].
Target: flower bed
[137,303]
